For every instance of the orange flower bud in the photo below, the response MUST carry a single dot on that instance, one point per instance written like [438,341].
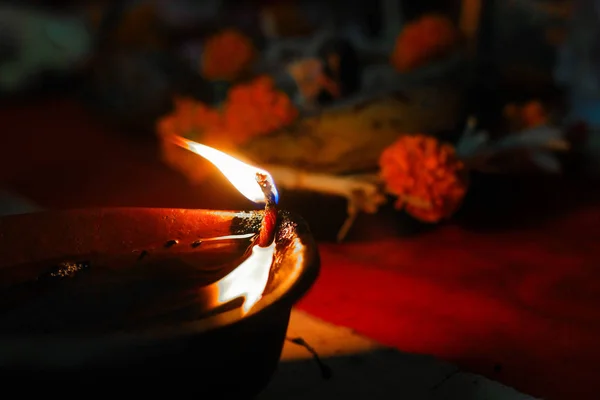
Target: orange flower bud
[257,108]
[189,119]
[227,55]
[424,40]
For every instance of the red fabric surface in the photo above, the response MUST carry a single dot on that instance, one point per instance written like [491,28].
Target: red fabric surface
[520,305]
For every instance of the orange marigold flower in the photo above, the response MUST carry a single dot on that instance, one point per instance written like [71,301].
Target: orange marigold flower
[251,109]
[533,114]
[227,55]
[424,40]
[189,118]
[426,176]
[529,115]
[256,108]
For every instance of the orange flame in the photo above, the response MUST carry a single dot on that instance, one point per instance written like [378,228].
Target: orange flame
[241,175]
[250,278]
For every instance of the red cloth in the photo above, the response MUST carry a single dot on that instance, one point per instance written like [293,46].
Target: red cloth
[521,305]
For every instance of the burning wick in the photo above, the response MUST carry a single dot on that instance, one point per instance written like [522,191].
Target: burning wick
[250,278]
[245,178]
[269,222]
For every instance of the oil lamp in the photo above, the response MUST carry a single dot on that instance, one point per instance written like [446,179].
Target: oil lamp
[190,301]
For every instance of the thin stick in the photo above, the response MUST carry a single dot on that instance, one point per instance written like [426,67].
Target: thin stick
[369,186]
[348,222]
[325,369]
[268,226]
[364,193]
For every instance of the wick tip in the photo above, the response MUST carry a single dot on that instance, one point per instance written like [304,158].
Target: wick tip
[261,178]
[265,181]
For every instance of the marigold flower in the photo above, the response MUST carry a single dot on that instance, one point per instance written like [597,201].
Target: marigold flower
[529,115]
[534,114]
[256,108]
[251,109]
[424,40]
[227,55]
[190,119]
[426,176]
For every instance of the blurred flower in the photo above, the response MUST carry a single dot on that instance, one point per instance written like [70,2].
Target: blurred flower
[227,55]
[426,176]
[256,108]
[251,109]
[534,114]
[190,119]
[424,40]
[311,79]
[529,115]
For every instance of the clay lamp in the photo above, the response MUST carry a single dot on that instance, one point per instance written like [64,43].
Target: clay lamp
[187,301]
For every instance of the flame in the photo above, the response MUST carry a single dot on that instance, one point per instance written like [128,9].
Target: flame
[250,278]
[241,175]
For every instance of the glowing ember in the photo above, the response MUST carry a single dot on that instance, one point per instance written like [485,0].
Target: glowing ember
[250,278]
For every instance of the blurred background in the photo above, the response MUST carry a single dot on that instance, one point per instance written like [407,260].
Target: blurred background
[453,141]
[89,91]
